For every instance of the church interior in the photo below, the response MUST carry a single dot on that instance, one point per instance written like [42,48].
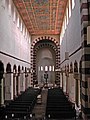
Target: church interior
[44,59]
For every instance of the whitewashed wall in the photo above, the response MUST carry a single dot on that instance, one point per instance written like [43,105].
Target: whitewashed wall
[72,37]
[12,40]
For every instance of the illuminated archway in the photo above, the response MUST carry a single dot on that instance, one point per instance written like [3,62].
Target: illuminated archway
[45,42]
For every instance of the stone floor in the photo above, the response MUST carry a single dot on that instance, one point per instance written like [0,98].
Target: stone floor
[39,109]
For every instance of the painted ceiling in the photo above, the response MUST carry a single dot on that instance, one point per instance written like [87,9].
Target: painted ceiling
[42,16]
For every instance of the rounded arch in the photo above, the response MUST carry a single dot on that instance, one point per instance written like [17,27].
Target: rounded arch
[75,66]
[67,69]
[71,67]
[48,42]
[22,68]
[15,68]
[8,68]
[44,38]
[25,70]
[1,69]
[46,53]
[19,69]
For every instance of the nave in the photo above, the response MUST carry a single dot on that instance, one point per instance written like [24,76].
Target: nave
[54,105]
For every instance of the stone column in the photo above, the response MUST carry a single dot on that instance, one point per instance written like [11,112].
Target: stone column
[23,81]
[71,87]
[14,84]
[64,82]
[7,86]
[61,79]
[85,60]
[19,83]
[1,83]
[26,80]
[1,93]
[29,79]
[67,84]
[77,89]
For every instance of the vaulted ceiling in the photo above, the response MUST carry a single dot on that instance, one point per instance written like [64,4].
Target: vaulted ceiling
[42,16]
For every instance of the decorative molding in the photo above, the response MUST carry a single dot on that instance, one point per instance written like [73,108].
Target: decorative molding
[6,54]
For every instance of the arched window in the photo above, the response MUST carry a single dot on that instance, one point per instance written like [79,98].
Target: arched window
[46,68]
[14,15]
[67,15]
[41,68]
[8,68]
[73,4]
[19,69]
[14,69]
[71,68]
[75,66]
[1,69]
[18,21]
[50,68]
[69,9]
[9,7]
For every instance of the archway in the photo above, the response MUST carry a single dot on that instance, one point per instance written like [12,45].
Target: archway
[53,47]
[1,69]
[1,82]
[18,81]
[8,68]
[14,80]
